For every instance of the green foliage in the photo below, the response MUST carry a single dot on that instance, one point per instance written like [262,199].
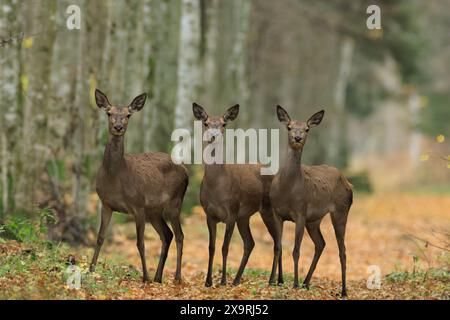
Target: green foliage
[57,169]
[26,230]
[191,198]
[435,117]
[361,182]
[420,275]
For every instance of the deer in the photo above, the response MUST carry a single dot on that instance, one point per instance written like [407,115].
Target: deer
[148,186]
[231,194]
[305,194]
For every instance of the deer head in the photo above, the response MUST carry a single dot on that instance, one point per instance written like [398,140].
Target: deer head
[118,116]
[298,130]
[215,126]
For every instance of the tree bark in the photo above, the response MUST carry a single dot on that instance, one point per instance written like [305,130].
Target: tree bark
[188,62]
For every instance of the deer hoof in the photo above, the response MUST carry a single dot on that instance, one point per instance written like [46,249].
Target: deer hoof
[236,282]
[177,281]
[92,268]
[208,283]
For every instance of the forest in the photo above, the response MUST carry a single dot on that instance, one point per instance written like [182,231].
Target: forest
[385,92]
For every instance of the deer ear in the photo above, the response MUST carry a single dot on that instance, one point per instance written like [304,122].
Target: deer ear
[316,118]
[138,102]
[283,116]
[101,99]
[231,113]
[199,112]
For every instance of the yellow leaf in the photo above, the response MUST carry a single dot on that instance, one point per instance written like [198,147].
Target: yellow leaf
[448,157]
[27,42]
[424,157]
[24,81]
[448,165]
[440,138]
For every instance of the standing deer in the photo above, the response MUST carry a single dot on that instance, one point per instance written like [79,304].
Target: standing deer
[305,194]
[232,193]
[148,186]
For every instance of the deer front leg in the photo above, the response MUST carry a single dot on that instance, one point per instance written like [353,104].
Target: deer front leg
[140,230]
[212,226]
[299,228]
[105,219]
[226,244]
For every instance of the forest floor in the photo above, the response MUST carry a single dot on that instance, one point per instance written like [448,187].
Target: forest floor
[382,232]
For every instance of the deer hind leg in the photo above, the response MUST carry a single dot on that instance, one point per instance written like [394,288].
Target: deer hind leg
[212,228]
[313,229]
[275,227]
[105,219]
[226,245]
[166,238]
[179,237]
[299,229]
[249,244]
[339,220]
[140,230]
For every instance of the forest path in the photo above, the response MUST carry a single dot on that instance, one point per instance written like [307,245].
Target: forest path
[377,234]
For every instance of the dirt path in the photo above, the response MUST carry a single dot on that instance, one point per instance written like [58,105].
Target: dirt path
[376,235]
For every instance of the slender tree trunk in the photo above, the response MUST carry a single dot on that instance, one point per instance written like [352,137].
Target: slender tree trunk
[338,124]
[188,62]
[40,33]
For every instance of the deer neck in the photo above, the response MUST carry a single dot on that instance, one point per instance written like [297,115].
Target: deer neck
[113,159]
[214,169]
[292,168]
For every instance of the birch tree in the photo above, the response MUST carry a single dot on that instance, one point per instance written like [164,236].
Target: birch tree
[188,63]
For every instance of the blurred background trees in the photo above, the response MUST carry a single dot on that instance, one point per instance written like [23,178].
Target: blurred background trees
[385,92]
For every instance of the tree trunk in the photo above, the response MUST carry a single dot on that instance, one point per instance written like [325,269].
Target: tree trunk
[188,62]
[338,130]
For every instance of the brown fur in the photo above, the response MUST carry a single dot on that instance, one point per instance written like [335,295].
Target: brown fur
[148,186]
[305,194]
[232,193]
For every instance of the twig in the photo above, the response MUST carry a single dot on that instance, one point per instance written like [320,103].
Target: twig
[428,243]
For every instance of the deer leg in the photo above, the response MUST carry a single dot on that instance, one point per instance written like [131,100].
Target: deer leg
[299,229]
[226,244]
[140,230]
[105,219]
[313,229]
[212,226]
[280,259]
[275,228]
[339,220]
[166,238]
[179,236]
[249,244]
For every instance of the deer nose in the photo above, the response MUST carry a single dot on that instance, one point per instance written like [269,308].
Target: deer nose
[298,138]
[118,127]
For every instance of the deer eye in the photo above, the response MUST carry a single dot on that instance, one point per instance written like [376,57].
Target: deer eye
[128,115]
[289,128]
[307,129]
[205,124]
[109,114]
